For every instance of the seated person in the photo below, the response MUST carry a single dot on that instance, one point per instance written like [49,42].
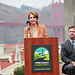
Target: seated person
[68,53]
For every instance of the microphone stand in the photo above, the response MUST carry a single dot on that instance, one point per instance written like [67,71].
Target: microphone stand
[28,28]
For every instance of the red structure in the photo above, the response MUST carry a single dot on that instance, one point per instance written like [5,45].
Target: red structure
[57,15]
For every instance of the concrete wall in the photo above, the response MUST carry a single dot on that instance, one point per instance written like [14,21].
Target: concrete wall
[69,15]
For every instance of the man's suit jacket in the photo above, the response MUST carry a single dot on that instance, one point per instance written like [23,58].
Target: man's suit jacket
[42,32]
[67,52]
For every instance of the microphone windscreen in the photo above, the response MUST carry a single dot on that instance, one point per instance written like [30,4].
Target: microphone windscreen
[28,22]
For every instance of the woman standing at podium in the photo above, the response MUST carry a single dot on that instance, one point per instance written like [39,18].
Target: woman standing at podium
[34,29]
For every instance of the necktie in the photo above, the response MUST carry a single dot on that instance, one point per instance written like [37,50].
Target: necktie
[73,43]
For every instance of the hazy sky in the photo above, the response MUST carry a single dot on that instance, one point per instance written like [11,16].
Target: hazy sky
[32,3]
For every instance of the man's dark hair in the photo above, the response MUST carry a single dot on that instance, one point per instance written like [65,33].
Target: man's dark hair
[73,26]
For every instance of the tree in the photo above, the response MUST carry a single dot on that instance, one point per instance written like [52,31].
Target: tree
[19,71]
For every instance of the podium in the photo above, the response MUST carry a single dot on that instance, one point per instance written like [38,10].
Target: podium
[41,56]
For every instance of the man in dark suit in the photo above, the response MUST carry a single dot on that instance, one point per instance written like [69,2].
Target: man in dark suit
[68,53]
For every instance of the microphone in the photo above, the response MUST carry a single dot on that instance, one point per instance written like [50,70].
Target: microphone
[28,28]
[28,22]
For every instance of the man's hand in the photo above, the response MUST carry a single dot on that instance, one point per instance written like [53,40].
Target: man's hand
[73,63]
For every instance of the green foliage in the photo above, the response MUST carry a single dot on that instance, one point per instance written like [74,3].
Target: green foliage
[19,71]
